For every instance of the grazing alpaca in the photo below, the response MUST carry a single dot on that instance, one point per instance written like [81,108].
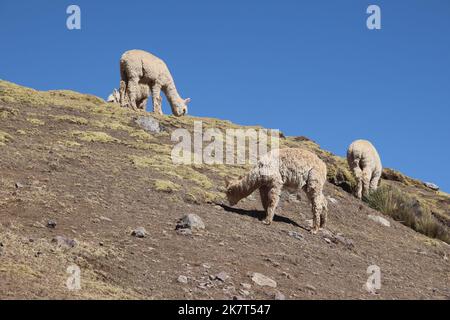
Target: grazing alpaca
[289,168]
[141,74]
[114,97]
[141,96]
[364,161]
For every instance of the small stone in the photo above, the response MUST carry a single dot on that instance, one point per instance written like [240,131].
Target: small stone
[341,239]
[279,296]
[246,286]
[105,219]
[310,288]
[295,235]
[51,224]
[184,232]
[206,266]
[190,221]
[182,279]
[263,280]
[222,276]
[432,186]
[149,124]
[19,185]
[332,200]
[244,292]
[139,232]
[61,241]
[38,225]
[379,220]
[327,240]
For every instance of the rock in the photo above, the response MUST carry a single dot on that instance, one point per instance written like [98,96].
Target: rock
[61,241]
[1,249]
[105,219]
[310,288]
[279,296]
[38,225]
[182,279]
[332,200]
[51,224]
[309,223]
[341,239]
[326,233]
[190,221]
[379,220]
[184,232]
[244,292]
[139,232]
[149,124]
[295,235]
[206,265]
[263,280]
[19,185]
[327,240]
[431,185]
[246,286]
[222,276]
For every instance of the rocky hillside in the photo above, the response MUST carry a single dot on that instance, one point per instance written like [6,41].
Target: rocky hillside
[82,183]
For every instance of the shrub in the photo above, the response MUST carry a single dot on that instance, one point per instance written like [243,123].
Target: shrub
[408,211]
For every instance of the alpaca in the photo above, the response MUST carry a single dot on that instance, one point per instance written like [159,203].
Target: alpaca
[289,168]
[141,97]
[114,97]
[138,68]
[365,163]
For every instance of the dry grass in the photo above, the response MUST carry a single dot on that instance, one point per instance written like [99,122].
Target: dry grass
[408,211]
[4,138]
[166,186]
[94,136]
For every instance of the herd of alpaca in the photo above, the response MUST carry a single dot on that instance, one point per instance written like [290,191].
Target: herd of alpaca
[143,75]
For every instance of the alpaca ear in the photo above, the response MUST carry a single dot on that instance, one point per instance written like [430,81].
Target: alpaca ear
[186,101]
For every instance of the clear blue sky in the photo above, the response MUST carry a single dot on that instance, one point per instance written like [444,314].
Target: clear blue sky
[308,68]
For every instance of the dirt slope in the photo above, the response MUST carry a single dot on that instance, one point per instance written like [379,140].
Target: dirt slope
[86,165]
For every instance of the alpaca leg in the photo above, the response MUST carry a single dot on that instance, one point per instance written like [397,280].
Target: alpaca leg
[122,93]
[314,191]
[264,195]
[156,99]
[132,91]
[358,176]
[374,182]
[324,212]
[317,210]
[143,104]
[366,177]
[273,198]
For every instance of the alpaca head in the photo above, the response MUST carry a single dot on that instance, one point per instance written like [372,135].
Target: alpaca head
[233,194]
[180,107]
[114,97]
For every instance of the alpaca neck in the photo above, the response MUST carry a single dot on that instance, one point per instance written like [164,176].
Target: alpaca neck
[172,96]
[246,186]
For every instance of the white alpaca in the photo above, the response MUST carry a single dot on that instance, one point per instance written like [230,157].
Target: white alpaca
[291,168]
[364,161]
[141,74]
[141,96]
